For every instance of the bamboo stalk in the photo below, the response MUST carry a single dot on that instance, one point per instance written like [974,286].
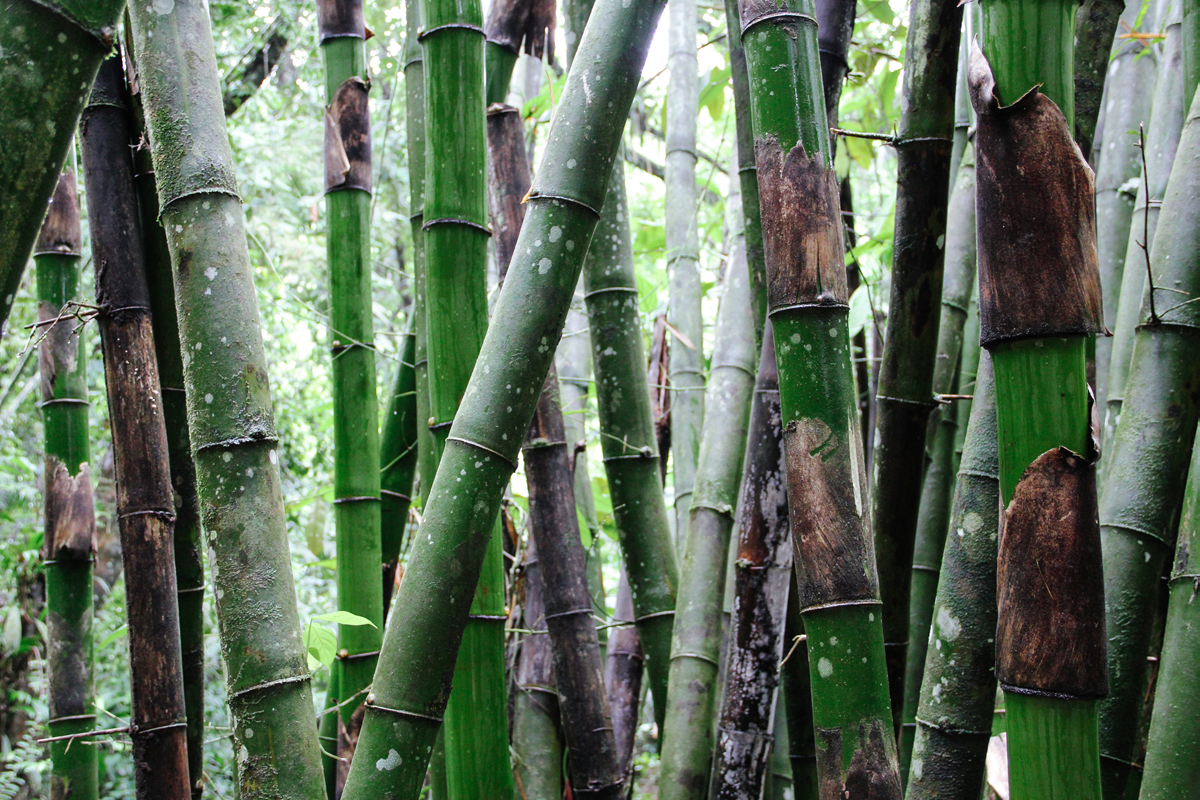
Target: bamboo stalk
[189,564]
[398,446]
[1095,23]
[827,488]
[229,405]
[623,676]
[958,687]
[696,643]
[683,261]
[1151,445]
[906,376]
[938,489]
[356,504]
[1174,734]
[1160,140]
[145,510]
[433,601]
[70,527]
[835,27]
[763,575]
[1132,71]
[511,23]
[1035,323]
[56,46]
[1191,49]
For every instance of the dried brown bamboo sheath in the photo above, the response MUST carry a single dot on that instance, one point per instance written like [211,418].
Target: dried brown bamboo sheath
[145,508]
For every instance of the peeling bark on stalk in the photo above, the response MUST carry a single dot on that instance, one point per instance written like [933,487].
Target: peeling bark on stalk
[145,510]
[1144,480]
[52,49]
[229,405]
[432,603]
[70,525]
[958,687]
[905,393]
[763,578]
[511,23]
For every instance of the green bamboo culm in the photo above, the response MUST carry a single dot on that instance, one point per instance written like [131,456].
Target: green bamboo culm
[1174,732]
[1191,49]
[456,234]
[1095,23]
[70,526]
[1039,303]
[938,489]
[958,687]
[232,427]
[432,603]
[356,481]
[904,399]
[828,493]
[688,737]
[189,563]
[52,49]
[1151,445]
[398,447]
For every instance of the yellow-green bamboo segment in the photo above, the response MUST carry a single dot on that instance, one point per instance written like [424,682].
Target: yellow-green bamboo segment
[229,405]
[70,531]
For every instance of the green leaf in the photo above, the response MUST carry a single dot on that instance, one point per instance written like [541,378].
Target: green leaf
[585,533]
[112,637]
[321,644]
[860,310]
[712,96]
[345,618]
[314,530]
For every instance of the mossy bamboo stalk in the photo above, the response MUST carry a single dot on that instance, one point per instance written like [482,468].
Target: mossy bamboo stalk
[938,489]
[623,675]
[1174,733]
[958,687]
[455,233]
[1128,96]
[145,510]
[1161,139]
[828,494]
[1095,23]
[356,480]
[229,405]
[627,435]
[683,261]
[762,581]
[433,601]
[1040,300]
[70,527]
[911,345]
[398,447]
[1145,481]
[687,751]
[189,564]
[52,49]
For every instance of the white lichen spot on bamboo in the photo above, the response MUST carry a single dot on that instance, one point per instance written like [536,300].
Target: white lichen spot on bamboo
[825,667]
[388,764]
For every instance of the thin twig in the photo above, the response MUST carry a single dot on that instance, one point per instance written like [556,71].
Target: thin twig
[84,735]
[878,137]
[1145,243]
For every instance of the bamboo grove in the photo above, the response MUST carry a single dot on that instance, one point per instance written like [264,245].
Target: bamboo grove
[614,399]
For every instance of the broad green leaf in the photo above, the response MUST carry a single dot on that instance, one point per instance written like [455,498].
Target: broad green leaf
[585,533]
[345,618]
[860,310]
[112,637]
[321,643]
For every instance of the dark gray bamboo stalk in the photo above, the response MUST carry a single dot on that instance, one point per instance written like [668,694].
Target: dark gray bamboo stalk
[432,603]
[958,689]
[229,405]
[1095,23]
[905,394]
[623,675]
[696,645]
[762,580]
[145,510]
[835,26]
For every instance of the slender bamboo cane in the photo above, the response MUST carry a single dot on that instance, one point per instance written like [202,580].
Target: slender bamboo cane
[962,105]
[958,689]
[835,27]
[828,494]
[911,344]
[537,739]
[1151,446]
[623,675]
[627,436]
[1095,22]
[229,405]
[145,509]
[696,644]
[398,447]
[1040,300]
[189,564]
[1161,140]
[683,261]
[796,688]
[1174,733]
[356,480]
[1131,73]
[52,49]
[763,578]
[448,551]
[779,780]
[509,24]
[1191,49]
[938,489]
[70,528]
